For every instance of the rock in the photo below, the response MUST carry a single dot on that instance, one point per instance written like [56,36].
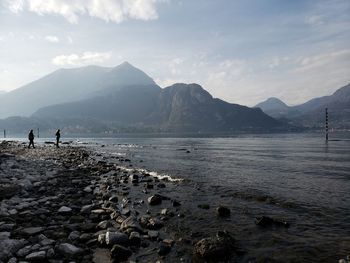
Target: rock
[50,253]
[6,227]
[69,251]
[265,221]
[101,256]
[223,211]
[219,248]
[64,210]
[155,223]
[12,260]
[131,223]
[101,239]
[30,231]
[24,251]
[9,246]
[74,235]
[7,191]
[176,203]
[155,200]
[113,199]
[86,209]
[204,206]
[161,185]
[116,238]
[38,256]
[153,234]
[120,253]
[85,237]
[164,249]
[135,238]
[87,189]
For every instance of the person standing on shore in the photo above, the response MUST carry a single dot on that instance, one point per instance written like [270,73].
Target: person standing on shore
[58,136]
[31,139]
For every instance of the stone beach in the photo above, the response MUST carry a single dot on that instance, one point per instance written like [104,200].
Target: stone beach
[68,205]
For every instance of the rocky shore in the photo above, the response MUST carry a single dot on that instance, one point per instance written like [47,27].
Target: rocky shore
[67,205]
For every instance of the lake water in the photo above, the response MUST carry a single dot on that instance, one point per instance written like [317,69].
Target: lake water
[294,177]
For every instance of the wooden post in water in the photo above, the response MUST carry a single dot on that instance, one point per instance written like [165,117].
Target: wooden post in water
[38,132]
[4,133]
[326,124]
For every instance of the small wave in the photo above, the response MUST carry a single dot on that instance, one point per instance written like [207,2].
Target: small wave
[152,173]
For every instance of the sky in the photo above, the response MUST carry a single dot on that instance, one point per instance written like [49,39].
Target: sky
[241,51]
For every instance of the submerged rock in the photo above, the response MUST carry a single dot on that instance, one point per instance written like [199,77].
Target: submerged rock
[223,211]
[69,250]
[38,256]
[265,221]
[154,200]
[120,253]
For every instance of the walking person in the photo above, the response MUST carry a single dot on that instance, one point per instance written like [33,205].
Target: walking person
[31,139]
[58,136]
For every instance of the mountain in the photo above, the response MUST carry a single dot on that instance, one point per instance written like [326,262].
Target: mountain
[311,113]
[178,108]
[276,108]
[67,85]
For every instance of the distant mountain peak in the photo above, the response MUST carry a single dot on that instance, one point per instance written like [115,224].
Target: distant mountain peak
[272,103]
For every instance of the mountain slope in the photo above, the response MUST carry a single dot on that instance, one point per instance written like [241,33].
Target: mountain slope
[180,107]
[67,85]
[311,113]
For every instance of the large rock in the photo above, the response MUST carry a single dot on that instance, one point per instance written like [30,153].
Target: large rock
[116,238]
[69,251]
[64,210]
[7,191]
[30,231]
[219,248]
[120,253]
[154,200]
[223,211]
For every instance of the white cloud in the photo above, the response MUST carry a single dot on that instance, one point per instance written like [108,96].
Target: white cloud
[108,10]
[52,39]
[85,58]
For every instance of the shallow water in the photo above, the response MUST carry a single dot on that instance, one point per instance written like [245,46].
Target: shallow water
[295,177]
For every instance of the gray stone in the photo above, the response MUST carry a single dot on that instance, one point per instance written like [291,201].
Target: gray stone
[135,238]
[10,246]
[12,260]
[24,251]
[131,223]
[74,235]
[153,234]
[30,231]
[69,250]
[36,256]
[223,211]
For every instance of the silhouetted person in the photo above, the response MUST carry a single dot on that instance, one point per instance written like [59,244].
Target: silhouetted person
[58,136]
[31,138]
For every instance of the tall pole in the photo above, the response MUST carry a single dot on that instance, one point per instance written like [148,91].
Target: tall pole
[326,124]
[4,133]
[38,132]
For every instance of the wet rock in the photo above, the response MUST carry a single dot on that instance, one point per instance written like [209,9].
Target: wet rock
[155,223]
[38,256]
[131,223]
[69,251]
[86,209]
[113,199]
[120,253]
[175,203]
[74,235]
[64,210]
[116,238]
[161,185]
[101,239]
[219,248]
[101,256]
[155,200]
[265,221]
[223,211]
[12,260]
[7,191]
[24,251]
[204,206]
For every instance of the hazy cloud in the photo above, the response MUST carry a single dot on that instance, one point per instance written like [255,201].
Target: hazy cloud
[52,39]
[107,10]
[85,58]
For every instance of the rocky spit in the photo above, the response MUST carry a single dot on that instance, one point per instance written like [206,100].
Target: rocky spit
[65,205]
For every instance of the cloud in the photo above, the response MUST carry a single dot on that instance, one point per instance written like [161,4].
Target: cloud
[85,58]
[52,39]
[108,10]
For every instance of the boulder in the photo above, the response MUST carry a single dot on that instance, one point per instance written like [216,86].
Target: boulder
[64,210]
[223,211]
[219,248]
[154,200]
[38,256]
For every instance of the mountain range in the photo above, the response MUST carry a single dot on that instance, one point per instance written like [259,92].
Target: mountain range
[97,99]
[312,113]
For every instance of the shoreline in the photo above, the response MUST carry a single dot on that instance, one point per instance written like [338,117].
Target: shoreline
[63,204]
